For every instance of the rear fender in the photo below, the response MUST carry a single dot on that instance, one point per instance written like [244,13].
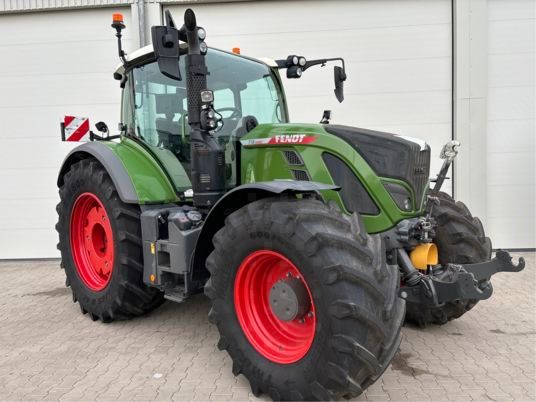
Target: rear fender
[238,198]
[111,163]
[136,176]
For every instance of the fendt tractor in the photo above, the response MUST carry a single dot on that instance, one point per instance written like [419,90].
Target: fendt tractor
[314,242]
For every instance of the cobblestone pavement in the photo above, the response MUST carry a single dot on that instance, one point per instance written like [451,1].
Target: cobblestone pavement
[49,350]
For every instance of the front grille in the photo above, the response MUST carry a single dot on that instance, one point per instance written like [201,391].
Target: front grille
[420,167]
[300,175]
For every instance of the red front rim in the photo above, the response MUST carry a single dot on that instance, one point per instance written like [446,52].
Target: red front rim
[280,341]
[92,241]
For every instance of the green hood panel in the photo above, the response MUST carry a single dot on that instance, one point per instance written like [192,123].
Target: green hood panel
[263,159]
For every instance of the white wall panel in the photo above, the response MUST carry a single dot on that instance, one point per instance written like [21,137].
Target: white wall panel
[62,63]
[511,124]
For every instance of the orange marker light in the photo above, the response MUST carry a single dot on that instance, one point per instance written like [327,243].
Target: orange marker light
[117,17]
[236,50]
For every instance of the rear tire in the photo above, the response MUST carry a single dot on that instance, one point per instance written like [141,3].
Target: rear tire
[117,292]
[460,239]
[357,312]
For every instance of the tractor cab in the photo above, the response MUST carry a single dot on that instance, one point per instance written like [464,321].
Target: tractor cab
[247,92]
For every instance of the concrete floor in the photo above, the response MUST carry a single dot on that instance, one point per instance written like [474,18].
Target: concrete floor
[49,350]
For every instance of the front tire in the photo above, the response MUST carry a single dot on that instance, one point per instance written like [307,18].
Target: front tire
[348,329]
[100,245]
[460,239]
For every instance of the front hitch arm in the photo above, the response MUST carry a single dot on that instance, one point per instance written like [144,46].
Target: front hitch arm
[460,281]
[501,263]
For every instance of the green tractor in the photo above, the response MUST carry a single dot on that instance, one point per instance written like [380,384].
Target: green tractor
[314,242]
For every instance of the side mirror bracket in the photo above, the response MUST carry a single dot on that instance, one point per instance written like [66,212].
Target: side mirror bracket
[296,65]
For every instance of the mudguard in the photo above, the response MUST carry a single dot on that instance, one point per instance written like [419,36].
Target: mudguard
[236,199]
[136,176]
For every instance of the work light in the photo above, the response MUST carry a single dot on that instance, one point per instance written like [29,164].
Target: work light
[294,72]
[207,96]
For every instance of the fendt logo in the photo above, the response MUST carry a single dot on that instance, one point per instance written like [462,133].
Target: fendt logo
[290,139]
[281,139]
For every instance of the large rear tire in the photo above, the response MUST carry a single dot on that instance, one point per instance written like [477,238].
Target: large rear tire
[460,239]
[100,245]
[349,327]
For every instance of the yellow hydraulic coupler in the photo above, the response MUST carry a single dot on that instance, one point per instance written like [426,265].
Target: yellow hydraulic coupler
[423,255]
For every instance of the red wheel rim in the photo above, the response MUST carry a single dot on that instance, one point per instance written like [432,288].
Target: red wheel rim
[280,341]
[92,241]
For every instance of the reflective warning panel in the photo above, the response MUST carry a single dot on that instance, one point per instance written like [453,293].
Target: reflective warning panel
[76,128]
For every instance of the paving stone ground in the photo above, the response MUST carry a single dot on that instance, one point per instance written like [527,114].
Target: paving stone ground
[50,351]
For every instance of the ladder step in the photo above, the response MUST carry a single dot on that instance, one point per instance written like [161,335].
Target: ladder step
[176,296]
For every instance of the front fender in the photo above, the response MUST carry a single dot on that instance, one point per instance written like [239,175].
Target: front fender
[238,198]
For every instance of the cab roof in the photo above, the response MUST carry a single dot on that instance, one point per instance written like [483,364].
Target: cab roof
[147,53]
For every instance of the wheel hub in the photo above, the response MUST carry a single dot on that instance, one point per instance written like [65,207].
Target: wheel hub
[92,241]
[289,299]
[274,306]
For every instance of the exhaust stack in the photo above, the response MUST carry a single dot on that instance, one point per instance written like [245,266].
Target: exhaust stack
[208,158]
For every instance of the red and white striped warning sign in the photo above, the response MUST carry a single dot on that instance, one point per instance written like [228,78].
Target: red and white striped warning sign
[76,128]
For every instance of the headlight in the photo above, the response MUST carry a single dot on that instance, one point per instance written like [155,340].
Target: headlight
[302,61]
[201,33]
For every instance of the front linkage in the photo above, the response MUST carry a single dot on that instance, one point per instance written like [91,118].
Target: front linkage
[456,281]
[451,282]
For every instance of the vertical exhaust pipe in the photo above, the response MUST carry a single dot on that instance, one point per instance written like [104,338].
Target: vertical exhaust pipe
[207,156]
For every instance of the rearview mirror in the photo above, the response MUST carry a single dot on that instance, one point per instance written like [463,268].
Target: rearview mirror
[340,77]
[166,50]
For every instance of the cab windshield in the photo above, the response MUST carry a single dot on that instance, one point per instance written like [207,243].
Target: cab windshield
[159,113]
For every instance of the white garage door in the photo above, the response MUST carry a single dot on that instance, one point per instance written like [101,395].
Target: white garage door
[511,123]
[53,63]
[398,56]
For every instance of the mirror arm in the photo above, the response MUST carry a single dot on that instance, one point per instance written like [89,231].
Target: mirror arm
[311,63]
[283,63]
[169,20]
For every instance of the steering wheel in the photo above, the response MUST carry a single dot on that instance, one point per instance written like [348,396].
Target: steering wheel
[236,113]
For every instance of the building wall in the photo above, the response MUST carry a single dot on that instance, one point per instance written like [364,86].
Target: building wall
[511,125]
[61,63]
